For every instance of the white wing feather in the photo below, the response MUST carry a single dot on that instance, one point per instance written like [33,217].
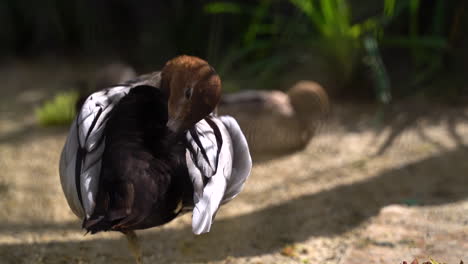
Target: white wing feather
[226,172]
[87,133]
[242,161]
[67,171]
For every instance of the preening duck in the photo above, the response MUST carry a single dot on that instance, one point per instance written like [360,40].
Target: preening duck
[140,154]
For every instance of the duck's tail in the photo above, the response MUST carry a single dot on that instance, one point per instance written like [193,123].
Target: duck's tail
[95,225]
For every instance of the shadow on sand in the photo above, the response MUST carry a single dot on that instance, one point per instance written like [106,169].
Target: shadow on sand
[432,181]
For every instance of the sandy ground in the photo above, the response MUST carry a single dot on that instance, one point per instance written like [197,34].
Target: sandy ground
[333,202]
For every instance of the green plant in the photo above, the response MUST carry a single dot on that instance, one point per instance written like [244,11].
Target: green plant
[271,41]
[379,73]
[60,110]
[255,54]
[427,49]
[345,40]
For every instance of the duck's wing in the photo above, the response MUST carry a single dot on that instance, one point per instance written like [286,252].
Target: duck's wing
[218,161]
[242,161]
[80,162]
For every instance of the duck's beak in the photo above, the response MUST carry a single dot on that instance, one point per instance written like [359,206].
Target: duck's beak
[174,125]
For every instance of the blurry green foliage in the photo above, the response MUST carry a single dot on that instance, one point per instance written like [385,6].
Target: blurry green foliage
[222,8]
[268,41]
[60,110]
[273,40]
[332,20]
[376,64]
[252,44]
[344,39]
[256,53]
[427,49]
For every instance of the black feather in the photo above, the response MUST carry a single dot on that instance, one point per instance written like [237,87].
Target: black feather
[143,175]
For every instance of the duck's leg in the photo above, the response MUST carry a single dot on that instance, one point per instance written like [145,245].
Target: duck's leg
[134,245]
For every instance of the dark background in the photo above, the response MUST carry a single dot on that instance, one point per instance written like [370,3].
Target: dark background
[259,44]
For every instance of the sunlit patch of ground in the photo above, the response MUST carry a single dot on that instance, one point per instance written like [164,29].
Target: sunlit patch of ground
[319,205]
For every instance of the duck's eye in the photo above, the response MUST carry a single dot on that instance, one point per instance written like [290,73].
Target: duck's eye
[188,93]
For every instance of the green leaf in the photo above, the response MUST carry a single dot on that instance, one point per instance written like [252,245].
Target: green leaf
[308,8]
[434,42]
[222,8]
[58,111]
[389,8]
[439,18]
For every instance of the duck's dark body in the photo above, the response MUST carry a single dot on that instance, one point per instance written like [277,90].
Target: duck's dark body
[143,176]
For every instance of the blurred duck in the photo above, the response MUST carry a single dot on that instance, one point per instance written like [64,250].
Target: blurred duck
[276,122]
[140,154]
[109,75]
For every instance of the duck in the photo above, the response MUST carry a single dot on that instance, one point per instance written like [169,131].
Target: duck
[277,122]
[141,154]
[107,76]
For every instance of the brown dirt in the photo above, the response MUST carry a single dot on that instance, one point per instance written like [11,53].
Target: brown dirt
[326,204]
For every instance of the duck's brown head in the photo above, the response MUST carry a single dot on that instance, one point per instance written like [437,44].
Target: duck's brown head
[193,89]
